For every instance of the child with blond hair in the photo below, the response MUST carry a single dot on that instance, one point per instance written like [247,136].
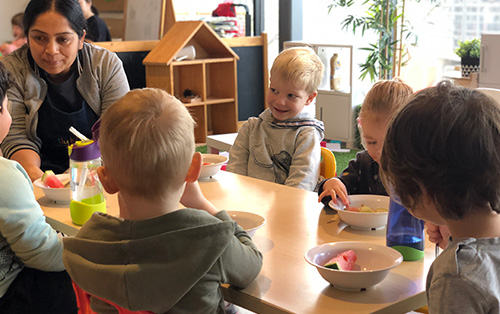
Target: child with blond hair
[156,257]
[282,145]
[442,156]
[362,174]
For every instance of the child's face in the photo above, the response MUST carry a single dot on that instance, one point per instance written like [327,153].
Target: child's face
[285,100]
[5,120]
[425,209]
[17,31]
[374,129]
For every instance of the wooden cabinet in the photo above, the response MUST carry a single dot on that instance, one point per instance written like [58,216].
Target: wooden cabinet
[211,75]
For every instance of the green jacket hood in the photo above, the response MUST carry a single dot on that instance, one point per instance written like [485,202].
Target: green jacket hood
[137,264]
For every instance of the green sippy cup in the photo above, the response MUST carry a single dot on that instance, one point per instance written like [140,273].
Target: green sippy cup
[87,193]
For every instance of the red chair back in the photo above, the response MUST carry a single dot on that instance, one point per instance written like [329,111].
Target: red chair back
[83,302]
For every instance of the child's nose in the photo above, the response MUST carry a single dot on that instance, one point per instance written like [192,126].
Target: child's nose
[280,100]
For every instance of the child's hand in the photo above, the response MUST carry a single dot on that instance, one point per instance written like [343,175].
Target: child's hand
[194,198]
[335,188]
[438,234]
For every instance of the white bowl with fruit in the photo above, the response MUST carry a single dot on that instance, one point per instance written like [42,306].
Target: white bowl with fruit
[366,211]
[55,186]
[211,164]
[353,265]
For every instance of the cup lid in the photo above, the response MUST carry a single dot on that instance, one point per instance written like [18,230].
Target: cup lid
[84,150]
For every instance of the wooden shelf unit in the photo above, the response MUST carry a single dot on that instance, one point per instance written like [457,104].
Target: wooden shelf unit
[211,76]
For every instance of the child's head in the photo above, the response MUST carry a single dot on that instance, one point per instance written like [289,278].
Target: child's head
[5,84]
[18,26]
[444,146]
[147,142]
[295,76]
[380,104]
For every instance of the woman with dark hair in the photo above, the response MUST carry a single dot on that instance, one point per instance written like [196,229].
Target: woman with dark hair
[60,81]
[97,30]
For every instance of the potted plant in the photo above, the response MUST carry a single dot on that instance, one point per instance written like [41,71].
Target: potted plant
[387,19]
[469,51]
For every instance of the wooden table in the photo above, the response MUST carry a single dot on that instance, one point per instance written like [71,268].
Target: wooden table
[295,223]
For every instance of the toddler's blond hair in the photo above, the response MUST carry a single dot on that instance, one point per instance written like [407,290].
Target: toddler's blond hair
[385,98]
[147,142]
[299,66]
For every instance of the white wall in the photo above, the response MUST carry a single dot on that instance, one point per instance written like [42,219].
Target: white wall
[8,8]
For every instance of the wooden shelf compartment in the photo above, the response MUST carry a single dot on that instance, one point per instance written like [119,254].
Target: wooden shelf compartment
[223,118]
[221,80]
[190,77]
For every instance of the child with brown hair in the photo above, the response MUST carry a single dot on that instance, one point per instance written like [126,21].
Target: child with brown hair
[362,174]
[157,257]
[442,156]
[18,33]
[282,145]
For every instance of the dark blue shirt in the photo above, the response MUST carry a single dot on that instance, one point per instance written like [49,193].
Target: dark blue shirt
[62,108]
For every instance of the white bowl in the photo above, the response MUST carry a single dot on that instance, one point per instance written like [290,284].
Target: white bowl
[216,162]
[371,267]
[250,222]
[61,195]
[362,220]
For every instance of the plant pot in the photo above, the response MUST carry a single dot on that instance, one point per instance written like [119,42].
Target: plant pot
[469,65]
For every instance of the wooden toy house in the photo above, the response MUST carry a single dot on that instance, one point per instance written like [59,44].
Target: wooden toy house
[206,84]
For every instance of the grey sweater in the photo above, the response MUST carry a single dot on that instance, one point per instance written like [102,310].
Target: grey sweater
[102,81]
[285,152]
[465,278]
[174,263]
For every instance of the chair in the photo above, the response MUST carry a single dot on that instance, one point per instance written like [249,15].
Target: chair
[83,303]
[328,165]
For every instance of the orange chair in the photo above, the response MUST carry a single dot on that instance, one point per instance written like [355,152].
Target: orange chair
[83,303]
[328,165]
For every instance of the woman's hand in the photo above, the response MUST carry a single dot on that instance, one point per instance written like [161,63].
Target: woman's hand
[335,188]
[194,198]
[438,234]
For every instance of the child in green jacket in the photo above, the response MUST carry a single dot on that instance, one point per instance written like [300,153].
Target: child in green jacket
[155,256]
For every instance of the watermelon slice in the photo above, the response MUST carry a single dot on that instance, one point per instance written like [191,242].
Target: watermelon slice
[343,261]
[50,179]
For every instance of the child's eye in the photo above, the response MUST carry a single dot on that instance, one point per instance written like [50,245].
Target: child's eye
[273,90]
[292,96]
[372,143]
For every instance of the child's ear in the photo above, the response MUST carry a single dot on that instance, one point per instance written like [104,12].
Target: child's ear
[310,98]
[108,182]
[195,168]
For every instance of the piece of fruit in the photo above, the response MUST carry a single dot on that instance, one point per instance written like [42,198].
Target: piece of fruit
[381,210]
[343,261]
[365,209]
[50,180]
